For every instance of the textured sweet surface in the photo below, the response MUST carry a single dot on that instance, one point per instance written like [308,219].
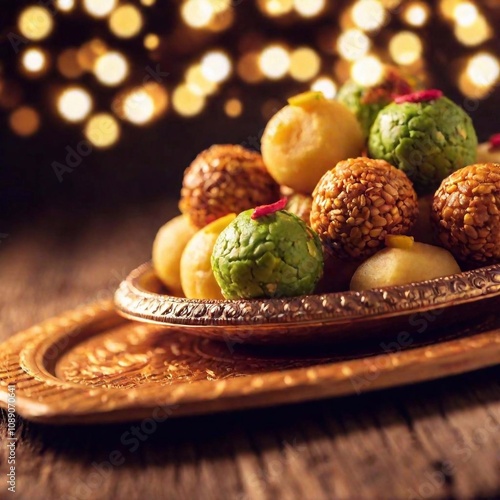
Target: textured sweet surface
[466,213]
[358,203]
[273,256]
[427,140]
[224,179]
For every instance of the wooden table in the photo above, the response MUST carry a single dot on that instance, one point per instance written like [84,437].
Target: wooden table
[431,440]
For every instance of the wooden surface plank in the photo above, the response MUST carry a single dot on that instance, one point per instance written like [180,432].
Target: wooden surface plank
[438,439]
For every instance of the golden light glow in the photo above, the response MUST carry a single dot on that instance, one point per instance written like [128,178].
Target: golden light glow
[276,7]
[24,121]
[111,68]
[34,60]
[249,68]
[102,130]
[483,70]
[309,8]
[197,82]
[219,6]
[138,106]
[447,7]
[304,64]
[325,85]
[187,103]
[475,34]
[465,13]
[65,5]
[390,4]
[35,23]
[367,71]
[67,64]
[90,52]
[274,62]
[151,41]
[216,66]
[405,47]
[197,13]
[148,3]
[74,104]
[369,15]
[353,44]
[471,90]
[99,8]
[416,14]
[126,21]
[233,107]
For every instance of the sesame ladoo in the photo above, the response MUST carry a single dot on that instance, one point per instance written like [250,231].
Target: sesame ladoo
[225,179]
[358,203]
[466,213]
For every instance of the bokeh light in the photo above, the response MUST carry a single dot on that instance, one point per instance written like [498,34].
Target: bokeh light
[474,34]
[405,48]
[99,8]
[276,7]
[34,60]
[369,15]
[483,70]
[138,106]
[197,83]
[465,13]
[274,61]
[216,66]
[74,104]
[367,71]
[148,3]
[35,23]
[305,64]
[186,102]
[309,8]
[416,14]
[233,107]
[65,5]
[197,13]
[126,21]
[353,44]
[151,41]
[102,130]
[248,68]
[325,85]
[24,121]
[67,63]
[111,68]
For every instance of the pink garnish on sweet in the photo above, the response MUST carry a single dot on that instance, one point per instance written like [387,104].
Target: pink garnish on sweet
[420,96]
[264,210]
[494,142]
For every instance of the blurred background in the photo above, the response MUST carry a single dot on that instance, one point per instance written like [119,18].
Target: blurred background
[106,102]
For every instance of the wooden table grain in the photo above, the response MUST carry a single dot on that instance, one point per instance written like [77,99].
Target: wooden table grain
[432,440]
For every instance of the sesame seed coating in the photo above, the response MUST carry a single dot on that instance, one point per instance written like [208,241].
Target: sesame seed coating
[466,213]
[224,179]
[358,203]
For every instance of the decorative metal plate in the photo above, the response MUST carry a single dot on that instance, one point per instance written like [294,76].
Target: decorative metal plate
[91,365]
[330,317]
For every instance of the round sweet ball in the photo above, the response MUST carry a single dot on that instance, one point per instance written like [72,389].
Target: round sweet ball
[304,139]
[360,202]
[466,213]
[168,246]
[274,255]
[425,135]
[225,179]
[300,205]
[197,278]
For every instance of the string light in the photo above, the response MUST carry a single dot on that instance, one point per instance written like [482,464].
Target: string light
[274,62]
[74,104]
[34,60]
[309,8]
[369,15]
[304,64]
[187,103]
[326,86]
[111,68]
[24,121]
[216,66]
[35,23]
[416,14]
[102,130]
[99,8]
[405,47]
[483,70]
[126,21]
[367,71]
[353,44]
[233,107]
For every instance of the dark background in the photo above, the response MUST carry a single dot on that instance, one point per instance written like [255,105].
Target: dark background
[148,161]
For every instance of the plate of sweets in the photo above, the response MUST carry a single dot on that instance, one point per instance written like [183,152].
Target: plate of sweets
[357,215]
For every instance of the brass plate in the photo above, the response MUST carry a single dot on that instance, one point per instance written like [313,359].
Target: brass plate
[324,318]
[91,365]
